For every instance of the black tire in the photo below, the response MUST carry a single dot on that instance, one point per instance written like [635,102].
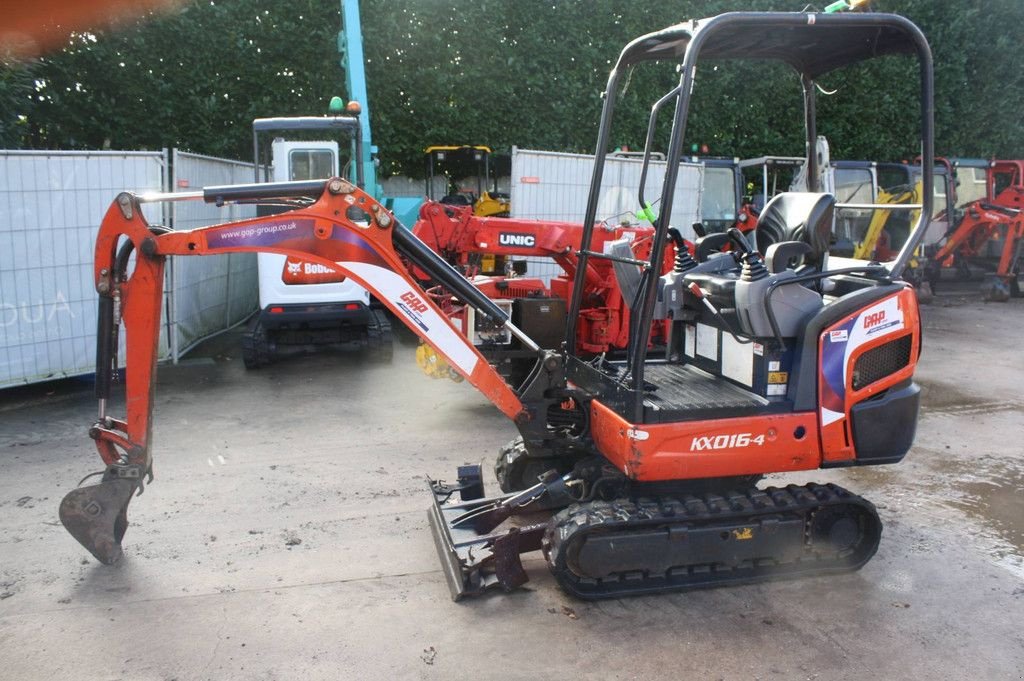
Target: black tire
[516,470]
[255,348]
[932,275]
[925,293]
[379,341]
[995,290]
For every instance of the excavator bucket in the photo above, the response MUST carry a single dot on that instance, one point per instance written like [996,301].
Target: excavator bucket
[97,515]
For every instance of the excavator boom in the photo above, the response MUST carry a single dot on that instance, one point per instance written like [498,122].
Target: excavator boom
[335,224]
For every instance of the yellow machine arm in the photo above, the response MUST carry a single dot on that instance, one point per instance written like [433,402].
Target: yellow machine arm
[865,250]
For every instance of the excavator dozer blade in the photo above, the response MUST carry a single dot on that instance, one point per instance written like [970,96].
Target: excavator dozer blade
[476,561]
[97,515]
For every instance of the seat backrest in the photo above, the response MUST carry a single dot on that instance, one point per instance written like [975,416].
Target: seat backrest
[798,216]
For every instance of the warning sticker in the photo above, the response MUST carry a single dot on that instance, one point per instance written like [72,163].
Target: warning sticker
[778,377]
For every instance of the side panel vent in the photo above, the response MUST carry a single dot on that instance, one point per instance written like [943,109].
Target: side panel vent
[882,361]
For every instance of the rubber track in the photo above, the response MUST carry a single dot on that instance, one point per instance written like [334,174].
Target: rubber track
[573,524]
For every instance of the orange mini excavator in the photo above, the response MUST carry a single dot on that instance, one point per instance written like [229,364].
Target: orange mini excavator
[632,476]
[996,215]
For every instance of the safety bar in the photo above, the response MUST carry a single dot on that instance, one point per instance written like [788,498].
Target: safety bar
[306,123]
[614,258]
[649,141]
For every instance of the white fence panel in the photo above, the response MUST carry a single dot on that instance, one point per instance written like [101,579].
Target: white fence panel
[51,205]
[211,293]
[549,185]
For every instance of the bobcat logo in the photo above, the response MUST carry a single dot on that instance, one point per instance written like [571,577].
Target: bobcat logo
[302,273]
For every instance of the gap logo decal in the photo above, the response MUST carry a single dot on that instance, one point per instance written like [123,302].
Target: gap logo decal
[841,341]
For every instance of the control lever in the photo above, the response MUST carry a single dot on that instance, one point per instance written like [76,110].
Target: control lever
[753,264]
[740,241]
[684,262]
[699,293]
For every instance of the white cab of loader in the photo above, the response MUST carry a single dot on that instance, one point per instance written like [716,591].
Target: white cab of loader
[302,161]
[304,304]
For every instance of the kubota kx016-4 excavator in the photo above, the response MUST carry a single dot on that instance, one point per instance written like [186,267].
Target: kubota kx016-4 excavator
[777,362]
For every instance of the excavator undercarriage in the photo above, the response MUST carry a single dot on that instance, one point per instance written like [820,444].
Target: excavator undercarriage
[636,544]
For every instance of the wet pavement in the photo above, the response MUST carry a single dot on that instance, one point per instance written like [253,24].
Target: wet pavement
[285,537]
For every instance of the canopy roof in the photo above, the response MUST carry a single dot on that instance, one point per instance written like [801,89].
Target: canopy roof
[812,43]
[306,123]
[462,147]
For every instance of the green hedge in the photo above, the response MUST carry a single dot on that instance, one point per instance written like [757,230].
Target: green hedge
[495,72]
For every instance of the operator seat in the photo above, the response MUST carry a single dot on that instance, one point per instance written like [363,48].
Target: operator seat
[801,217]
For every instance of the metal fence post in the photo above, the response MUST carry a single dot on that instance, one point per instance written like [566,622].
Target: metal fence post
[172,284]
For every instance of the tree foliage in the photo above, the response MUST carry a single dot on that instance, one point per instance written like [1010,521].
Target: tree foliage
[527,73]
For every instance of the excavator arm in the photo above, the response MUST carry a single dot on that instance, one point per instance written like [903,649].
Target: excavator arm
[981,221]
[865,250]
[456,233]
[335,224]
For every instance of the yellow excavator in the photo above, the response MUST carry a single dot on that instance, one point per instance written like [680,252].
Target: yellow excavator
[872,242]
[456,162]
[882,239]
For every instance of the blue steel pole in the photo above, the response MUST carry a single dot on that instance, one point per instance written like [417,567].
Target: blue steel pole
[350,47]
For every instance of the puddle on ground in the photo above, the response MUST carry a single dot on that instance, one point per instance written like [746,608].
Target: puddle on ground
[989,491]
[999,503]
[946,400]
[936,395]
[944,397]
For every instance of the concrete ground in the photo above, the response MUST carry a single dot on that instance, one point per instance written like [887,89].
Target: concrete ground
[285,537]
